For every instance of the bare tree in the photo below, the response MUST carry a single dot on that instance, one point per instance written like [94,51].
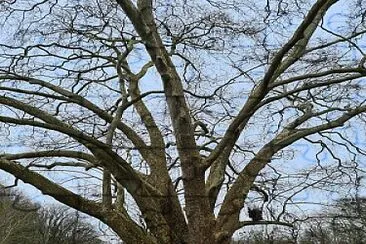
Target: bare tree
[344,222]
[23,221]
[62,225]
[17,218]
[182,113]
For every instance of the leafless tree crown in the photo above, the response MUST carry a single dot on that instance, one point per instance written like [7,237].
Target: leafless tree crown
[165,119]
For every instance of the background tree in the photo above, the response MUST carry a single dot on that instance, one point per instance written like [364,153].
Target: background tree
[18,218]
[182,112]
[265,235]
[22,221]
[345,222]
[59,225]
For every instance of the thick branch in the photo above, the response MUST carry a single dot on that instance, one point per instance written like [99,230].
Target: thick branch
[182,124]
[294,49]
[229,213]
[54,153]
[123,225]
[121,170]
[193,172]
[52,189]
[238,124]
[61,164]
[83,102]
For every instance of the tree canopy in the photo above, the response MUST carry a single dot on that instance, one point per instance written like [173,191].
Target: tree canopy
[166,120]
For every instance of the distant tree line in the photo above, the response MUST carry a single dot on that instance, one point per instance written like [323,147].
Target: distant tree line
[342,223]
[23,221]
